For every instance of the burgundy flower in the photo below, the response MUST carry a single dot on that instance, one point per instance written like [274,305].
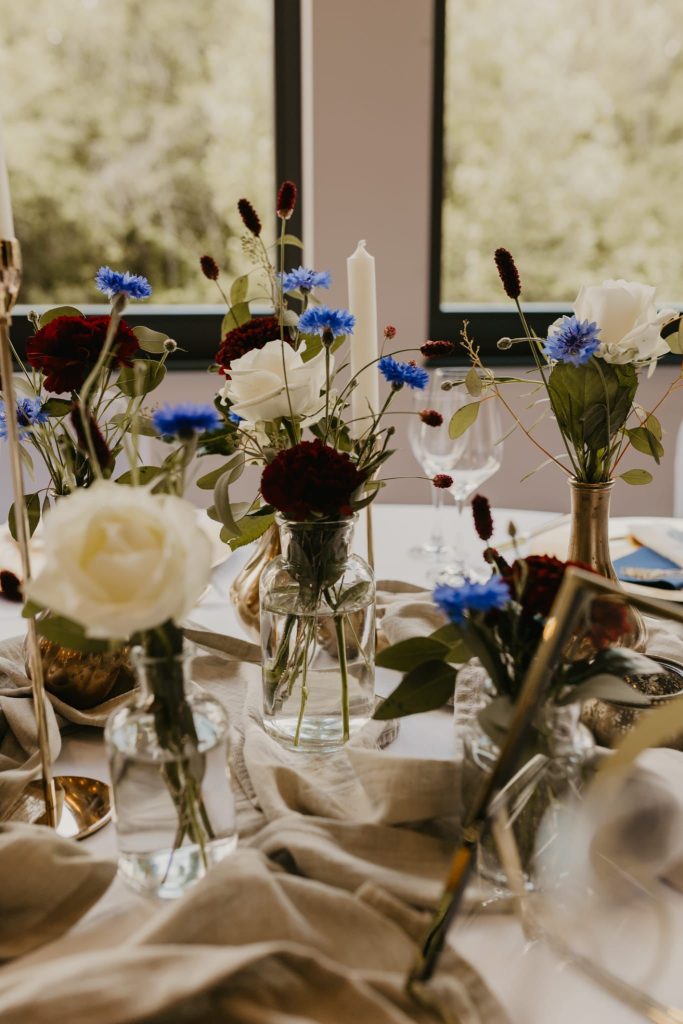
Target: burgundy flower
[442,480]
[209,267]
[483,521]
[311,480]
[286,200]
[67,348]
[100,446]
[256,333]
[390,332]
[250,217]
[431,417]
[509,274]
[10,586]
[610,621]
[437,348]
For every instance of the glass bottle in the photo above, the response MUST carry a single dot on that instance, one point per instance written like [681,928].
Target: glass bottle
[317,637]
[173,801]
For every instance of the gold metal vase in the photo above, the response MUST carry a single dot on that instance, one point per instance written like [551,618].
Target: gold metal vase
[589,545]
[244,592]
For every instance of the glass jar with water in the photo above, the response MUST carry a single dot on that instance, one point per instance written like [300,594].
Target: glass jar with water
[317,636]
[173,802]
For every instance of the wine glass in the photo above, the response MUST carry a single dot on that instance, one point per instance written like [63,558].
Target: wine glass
[479,453]
[436,453]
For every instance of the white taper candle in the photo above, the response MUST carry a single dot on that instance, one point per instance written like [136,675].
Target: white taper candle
[360,268]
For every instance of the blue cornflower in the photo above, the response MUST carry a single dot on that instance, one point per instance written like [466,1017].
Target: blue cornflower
[185,420]
[320,319]
[305,280]
[234,418]
[399,374]
[29,414]
[111,282]
[572,341]
[471,597]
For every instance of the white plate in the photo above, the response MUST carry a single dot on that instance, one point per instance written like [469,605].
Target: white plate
[555,541]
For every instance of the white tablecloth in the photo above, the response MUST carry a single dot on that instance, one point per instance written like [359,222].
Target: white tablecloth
[533,985]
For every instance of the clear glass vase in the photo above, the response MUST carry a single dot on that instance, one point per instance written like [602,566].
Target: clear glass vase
[173,802]
[317,637]
[555,769]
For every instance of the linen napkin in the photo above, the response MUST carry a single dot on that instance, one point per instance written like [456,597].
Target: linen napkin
[646,558]
[47,884]
[252,945]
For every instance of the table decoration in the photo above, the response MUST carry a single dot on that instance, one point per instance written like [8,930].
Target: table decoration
[588,372]
[125,563]
[501,623]
[281,379]
[568,610]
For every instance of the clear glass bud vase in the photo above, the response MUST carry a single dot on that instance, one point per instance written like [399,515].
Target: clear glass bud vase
[317,636]
[173,802]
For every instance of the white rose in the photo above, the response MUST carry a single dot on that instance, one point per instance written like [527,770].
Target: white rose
[257,388]
[119,560]
[630,326]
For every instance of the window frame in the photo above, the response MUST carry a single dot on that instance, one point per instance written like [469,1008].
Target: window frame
[200,325]
[487,322]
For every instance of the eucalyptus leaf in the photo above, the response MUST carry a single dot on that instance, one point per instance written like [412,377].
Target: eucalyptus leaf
[145,475]
[646,441]
[425,688]
[355,595]
[235,317]
[32,503]
[238,291]
[149,340]
[52,314]
[407,654]
[606,687]
[142,377]
[293,240]
[462,420]
[473,383]
[653,425]
[69,634]
[56,407]
[251,528]
[636,477]
[209,480]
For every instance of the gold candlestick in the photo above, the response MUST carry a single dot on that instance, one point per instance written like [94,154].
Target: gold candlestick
[86,802]
[10,281]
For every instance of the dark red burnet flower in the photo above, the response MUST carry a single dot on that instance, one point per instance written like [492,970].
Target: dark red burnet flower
[310,480]
[431,417]
[256,333]
[508,272]
[481,513]
[67,348]
[442,480]
[101,449]
[209,267]
[286,200]
[250,217]
[431,349]
[10,586]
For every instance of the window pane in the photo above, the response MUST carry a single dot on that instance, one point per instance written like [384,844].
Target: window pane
[132,127]
[563,142]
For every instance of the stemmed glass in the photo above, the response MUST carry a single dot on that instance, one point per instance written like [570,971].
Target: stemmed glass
[436,453]
[479,453]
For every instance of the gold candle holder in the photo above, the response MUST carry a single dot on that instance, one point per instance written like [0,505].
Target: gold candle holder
[86,802]
[10,282]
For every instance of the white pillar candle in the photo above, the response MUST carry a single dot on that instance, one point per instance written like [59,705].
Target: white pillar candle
[360,270]
[6,220]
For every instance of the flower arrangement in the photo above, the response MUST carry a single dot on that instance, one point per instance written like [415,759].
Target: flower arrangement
[500,622]
[588,366]
[280,380]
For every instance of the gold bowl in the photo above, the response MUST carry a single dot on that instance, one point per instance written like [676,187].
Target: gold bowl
[84,680]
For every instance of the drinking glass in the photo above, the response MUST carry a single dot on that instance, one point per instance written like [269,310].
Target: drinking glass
[478,456]
[436,453]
